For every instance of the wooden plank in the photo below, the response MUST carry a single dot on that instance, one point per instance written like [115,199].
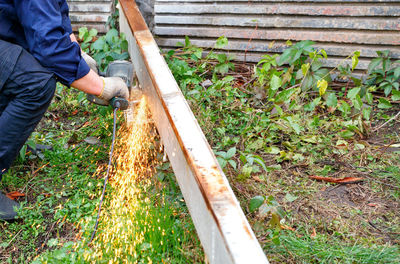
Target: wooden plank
[278,47]
[285,1]
[91,1]
[85,18]
[356,37]
[220,223]
[101,28]
[100,7]
[262,8]
[281,22]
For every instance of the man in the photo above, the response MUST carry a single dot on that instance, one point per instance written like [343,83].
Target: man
[38,48]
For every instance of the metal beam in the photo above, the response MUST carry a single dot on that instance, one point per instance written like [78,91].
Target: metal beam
[220,223]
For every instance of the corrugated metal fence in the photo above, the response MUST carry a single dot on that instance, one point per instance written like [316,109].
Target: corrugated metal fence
[90,13]
[257,27]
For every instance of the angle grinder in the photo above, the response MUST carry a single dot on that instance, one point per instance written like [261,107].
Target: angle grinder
[124,70]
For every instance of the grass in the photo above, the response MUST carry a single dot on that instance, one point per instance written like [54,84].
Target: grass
[324,249]
[62,188]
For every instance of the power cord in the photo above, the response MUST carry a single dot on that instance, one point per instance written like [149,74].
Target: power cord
[116,107]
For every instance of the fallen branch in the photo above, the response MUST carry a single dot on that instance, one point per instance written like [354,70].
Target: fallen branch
[345,180]
[387,122]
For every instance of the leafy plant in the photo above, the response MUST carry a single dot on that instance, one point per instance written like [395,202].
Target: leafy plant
[225,158]
[312,74]
[297,54]
[384,73]
[110,47]
[86,37]
[251,164]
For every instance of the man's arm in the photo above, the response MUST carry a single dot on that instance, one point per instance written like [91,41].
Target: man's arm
[91,83]
[49,39]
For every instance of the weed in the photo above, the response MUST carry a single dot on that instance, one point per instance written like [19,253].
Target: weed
[287,120]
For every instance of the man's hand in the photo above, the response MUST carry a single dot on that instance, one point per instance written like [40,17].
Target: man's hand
[90,61]
[114,86]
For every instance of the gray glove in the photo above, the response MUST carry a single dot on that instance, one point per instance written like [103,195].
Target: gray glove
[114,86]
[90,61]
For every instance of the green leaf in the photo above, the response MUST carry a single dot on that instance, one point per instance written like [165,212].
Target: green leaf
[260,161]
[124,45]
[222,162]
[256,202]
[285,95]
[111,34]
[232,163]
[344,107]
[396,72]
[367,113]
[322,85]
[222,42]
[354,60]
[323,52]
[82,31]
[187,42]
[331,100]
[357,102]
[395,95]
[287,53]
[93,32]
[230,153]
[384,104]
[22,152]
[353,92]
[346,134]
[374,63]
[276,82]
[98,44]
[290,198]
[369,98]
[304,68]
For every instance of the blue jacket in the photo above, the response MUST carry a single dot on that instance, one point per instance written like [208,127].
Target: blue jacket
[43,27]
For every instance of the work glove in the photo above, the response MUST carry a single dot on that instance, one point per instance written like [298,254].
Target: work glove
[90,61]
[113,87]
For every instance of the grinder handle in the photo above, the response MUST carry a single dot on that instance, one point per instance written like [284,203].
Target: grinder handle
[120,103]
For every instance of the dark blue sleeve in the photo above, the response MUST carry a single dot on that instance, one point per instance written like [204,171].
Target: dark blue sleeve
[48,38]
[65,16]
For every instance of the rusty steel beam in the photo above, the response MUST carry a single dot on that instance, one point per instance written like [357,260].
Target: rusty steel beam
[220,223]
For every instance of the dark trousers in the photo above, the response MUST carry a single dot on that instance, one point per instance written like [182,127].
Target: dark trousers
[26,90]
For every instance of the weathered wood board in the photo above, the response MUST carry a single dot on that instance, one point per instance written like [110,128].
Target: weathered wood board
[90,13]
[338,26]
[220,223]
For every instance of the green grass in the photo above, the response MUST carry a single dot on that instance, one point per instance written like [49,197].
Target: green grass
[63,187]
[325,249]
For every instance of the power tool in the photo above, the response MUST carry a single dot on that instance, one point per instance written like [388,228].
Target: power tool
[124,70]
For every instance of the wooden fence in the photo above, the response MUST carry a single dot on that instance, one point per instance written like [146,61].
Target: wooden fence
[257,27]
[90,13]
